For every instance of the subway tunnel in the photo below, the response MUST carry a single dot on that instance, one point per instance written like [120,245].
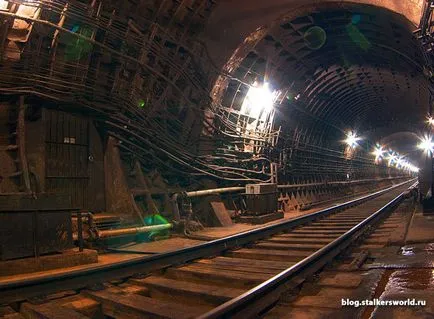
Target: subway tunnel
[334,68]
[139,121]
[340,68]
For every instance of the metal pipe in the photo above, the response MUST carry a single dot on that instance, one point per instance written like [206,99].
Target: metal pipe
[131,231]
[214,191]
[89,215]
[175,206]
[80,231]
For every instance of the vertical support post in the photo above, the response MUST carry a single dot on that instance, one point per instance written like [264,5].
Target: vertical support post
[80,231]
[35,234]
[21,133]
[56,34]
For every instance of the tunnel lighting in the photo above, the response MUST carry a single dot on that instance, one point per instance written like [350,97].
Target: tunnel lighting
[406,165]
[352,139]
[414,169]
[426,144]
[261,98]
[411,168]
[400,162]
[378,152]
[3,5]
[430,120]
[392,157]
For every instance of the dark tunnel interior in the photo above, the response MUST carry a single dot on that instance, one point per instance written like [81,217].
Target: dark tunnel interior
[199,146]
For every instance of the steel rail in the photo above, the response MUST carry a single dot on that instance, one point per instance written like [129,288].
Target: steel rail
[20,289]
[244,305]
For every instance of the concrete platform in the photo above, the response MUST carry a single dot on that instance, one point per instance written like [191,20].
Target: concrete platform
[421,229]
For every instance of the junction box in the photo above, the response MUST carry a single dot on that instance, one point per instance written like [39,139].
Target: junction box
[261,199]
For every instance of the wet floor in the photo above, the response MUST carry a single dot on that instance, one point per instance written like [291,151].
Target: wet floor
[414,280]
[411,279]
[412,250]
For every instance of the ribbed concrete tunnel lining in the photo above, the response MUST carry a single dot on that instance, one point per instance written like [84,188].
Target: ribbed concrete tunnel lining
[150,75]
[368,73]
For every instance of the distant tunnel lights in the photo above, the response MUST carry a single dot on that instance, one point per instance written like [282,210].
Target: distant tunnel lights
[378,152]
[393,159]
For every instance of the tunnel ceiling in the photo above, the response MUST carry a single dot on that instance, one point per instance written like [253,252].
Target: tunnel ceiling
[351,66]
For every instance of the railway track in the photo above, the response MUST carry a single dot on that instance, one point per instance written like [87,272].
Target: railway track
[239,276]
[354,275]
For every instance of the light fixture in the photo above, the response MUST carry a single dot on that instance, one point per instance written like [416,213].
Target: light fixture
[400,162]
[430,120]
[259,100]
[392,157]
[3,5]
[426,144]
[414,169]
[378,152]
[352,139]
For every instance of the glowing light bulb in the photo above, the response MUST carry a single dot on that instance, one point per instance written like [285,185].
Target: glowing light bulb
[378,152]
[352,139]
[426,144]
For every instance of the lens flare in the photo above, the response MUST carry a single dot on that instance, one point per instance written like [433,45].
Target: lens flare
[315,38]
[426,144]
[378,152]
[352,139]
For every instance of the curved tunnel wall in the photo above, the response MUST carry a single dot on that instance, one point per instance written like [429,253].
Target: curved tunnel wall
[144,73]
[233,21]
[366,74]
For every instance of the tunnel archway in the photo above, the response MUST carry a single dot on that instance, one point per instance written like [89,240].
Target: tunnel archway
[347,65]
[236,22]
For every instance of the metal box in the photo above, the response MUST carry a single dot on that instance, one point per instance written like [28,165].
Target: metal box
[261,199]
[32,227]
[261,188]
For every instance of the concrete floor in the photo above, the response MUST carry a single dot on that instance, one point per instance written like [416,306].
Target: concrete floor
[421,229]
[410,276]
[410,273]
